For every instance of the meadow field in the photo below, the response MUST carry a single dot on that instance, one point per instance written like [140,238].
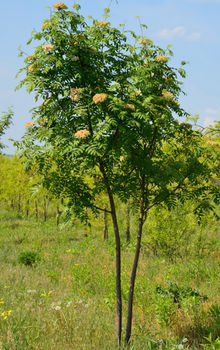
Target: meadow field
[57,286]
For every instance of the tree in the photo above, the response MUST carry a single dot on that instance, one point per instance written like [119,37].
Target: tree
[5,122]
[110,113]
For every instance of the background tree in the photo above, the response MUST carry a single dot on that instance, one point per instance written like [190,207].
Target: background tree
[109,114]
[5,122]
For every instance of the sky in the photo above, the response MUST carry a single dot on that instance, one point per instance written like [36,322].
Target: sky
[192,27]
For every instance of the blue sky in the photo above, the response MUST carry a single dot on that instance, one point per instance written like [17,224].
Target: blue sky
[192,27]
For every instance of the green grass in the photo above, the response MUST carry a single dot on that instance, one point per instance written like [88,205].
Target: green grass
[66,301]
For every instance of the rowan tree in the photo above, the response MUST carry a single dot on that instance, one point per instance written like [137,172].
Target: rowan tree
[110,113]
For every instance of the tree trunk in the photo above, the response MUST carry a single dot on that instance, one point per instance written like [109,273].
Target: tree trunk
[36,209]
[118,269]
[105,231]
[19,202]
[45,210]
[117,256]
[12,204]
[135,264]
[57,216]
[27,208]
[128,233]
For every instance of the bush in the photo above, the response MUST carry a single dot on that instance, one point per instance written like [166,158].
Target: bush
[28,258]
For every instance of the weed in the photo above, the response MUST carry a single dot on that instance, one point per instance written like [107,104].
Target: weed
[28,258]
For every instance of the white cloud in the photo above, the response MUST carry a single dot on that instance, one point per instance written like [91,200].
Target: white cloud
[171,33]
[208,121]
[178,32]
[194,36]
[212,111]
[211,114]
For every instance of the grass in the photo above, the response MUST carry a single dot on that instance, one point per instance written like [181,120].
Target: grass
[66,301]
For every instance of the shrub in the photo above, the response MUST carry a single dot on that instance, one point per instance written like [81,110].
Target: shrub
[28,258]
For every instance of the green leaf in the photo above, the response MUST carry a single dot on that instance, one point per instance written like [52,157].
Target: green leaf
[77,7]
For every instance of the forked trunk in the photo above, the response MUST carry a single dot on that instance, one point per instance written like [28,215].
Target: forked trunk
[134,267]
[118,269]
[117,256]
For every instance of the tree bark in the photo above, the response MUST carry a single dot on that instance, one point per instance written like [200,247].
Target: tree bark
[128,232]
[105,231]
[19,202]
[117,256]
[45,210]
[27,208]
[57,216]
[36,209]
[135,264]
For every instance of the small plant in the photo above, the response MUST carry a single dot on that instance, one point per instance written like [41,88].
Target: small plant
[214,313]
[212,343]
[28,258]
[178,293]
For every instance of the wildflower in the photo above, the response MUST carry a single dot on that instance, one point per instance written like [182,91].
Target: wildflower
[213,143]
[145,41]
[68,250]
[69,303]
[45,24]
[48,47]
[29,124]
[31,291]
[162,59]
[176,102]
[99,98]
[75,94]
[32,57]
[60,6]
[43,122]
[129,106]
[81,134]
[6,287]
[103,23]
[46,294]
[185,340]
[5,314]
[167,95]
[57,308]
[2,301]
[31,68]
[138,93]
[180,346]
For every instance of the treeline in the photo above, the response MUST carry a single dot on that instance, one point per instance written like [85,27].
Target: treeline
[170,233]
[21,191]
